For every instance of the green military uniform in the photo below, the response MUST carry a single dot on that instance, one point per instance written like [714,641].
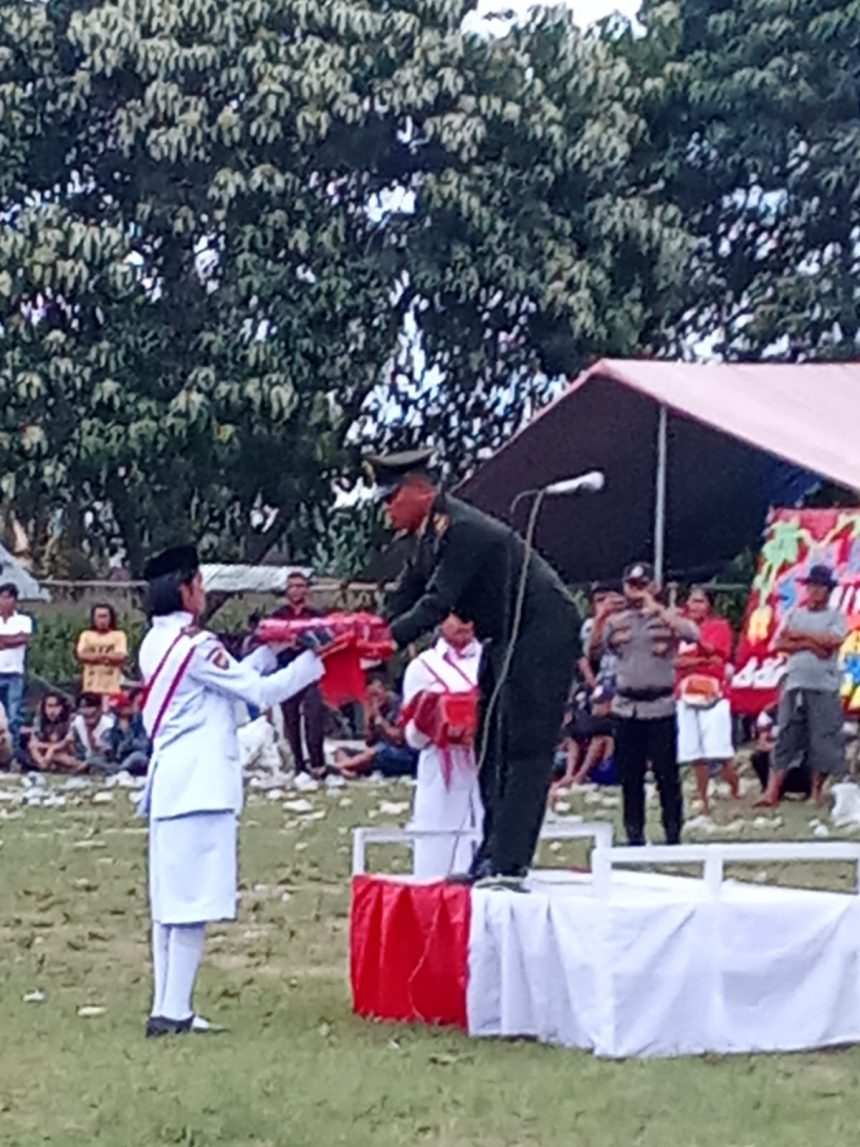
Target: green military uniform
[470,564]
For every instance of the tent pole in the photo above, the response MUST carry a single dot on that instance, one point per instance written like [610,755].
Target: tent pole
[660,495]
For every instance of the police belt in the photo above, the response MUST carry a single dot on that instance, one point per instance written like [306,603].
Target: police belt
[644,694]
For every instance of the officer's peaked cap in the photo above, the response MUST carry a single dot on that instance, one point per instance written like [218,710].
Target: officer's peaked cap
[389,471]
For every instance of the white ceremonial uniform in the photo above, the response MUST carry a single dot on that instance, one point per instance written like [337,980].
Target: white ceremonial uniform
[453,805]
[193,791]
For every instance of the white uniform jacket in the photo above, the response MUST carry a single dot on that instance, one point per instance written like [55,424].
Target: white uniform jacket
[196,764]
[447,792]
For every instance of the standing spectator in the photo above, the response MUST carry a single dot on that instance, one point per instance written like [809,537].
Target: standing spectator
[91,729]
[308,704]
[102,651]
[644,636]
[16,631]
[597,664]
[810,717]
[51,745]
[704,711]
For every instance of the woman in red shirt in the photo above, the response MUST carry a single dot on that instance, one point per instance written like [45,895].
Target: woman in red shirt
[703,711]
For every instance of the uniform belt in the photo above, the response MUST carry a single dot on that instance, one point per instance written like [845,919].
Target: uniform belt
[644,694]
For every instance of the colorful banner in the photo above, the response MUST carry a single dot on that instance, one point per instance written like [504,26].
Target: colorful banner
[794,540]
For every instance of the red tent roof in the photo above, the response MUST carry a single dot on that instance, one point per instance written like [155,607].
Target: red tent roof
[730,423]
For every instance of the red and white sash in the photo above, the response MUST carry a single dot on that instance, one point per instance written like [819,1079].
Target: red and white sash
[444,669]
[161,688]
[449,677]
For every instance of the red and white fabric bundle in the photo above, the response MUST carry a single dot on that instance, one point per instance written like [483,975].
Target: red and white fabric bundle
[358,637]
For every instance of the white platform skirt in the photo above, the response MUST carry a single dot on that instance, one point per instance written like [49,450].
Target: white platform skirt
[192,868]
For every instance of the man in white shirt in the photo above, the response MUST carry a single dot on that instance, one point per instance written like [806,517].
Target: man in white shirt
[16,631]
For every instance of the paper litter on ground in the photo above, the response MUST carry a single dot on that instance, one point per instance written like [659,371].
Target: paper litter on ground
[300,805]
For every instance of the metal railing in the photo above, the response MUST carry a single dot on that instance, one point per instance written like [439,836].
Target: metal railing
[598,831]
[713,858]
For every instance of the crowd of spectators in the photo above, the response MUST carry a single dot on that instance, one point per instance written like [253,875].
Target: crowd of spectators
[93,727]
[652,693]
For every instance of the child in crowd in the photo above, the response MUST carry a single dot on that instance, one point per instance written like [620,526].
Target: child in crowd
[587,736]
[51,744]
[91,729]
[798,781]
[127,741]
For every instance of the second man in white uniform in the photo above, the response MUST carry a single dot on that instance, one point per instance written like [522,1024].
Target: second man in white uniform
[447,795]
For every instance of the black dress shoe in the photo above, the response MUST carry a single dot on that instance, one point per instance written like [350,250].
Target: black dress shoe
[477,872]
[160,1025]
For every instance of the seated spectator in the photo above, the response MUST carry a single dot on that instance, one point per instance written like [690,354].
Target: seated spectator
[7,752]
[600,747]
[50,748]
[127,741]
[798,781]
[703,710]
[588,732]
[91,729]
[387,751]
[102,651]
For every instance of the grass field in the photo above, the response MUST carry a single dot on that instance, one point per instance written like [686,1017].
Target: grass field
[297,1068]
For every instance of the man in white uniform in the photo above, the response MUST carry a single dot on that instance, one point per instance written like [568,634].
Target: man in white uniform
[193,790]
[447,794]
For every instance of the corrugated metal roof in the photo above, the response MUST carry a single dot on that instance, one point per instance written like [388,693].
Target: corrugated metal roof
[236,578]
[12,570]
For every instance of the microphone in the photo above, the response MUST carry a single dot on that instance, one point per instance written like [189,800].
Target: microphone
[590,483]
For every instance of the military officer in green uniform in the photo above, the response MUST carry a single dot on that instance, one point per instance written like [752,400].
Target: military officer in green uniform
[468,563]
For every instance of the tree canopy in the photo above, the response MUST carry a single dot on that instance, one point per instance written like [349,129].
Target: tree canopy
[754,134]
[242,237]
[222,215]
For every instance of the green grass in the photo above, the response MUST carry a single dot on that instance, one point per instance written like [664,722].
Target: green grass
[297,1068]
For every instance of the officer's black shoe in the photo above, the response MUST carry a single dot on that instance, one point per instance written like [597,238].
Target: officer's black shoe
[513,881]
[479,871]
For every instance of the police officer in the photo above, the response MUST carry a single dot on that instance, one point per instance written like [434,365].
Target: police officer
[193,791]
[468,563]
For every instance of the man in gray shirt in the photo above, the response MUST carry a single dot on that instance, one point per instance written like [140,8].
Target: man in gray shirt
[644,637]
[810,715]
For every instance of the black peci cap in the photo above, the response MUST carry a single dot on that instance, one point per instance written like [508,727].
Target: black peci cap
[177,559]
[389,471]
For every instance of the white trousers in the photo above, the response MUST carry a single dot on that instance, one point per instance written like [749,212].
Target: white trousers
[192,868]
[453,808]
[705,734]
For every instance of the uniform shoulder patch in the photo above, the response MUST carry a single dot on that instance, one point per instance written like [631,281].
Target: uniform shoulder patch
[441,522]
[219,657]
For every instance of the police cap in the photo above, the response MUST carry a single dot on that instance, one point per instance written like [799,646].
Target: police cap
[639,573]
